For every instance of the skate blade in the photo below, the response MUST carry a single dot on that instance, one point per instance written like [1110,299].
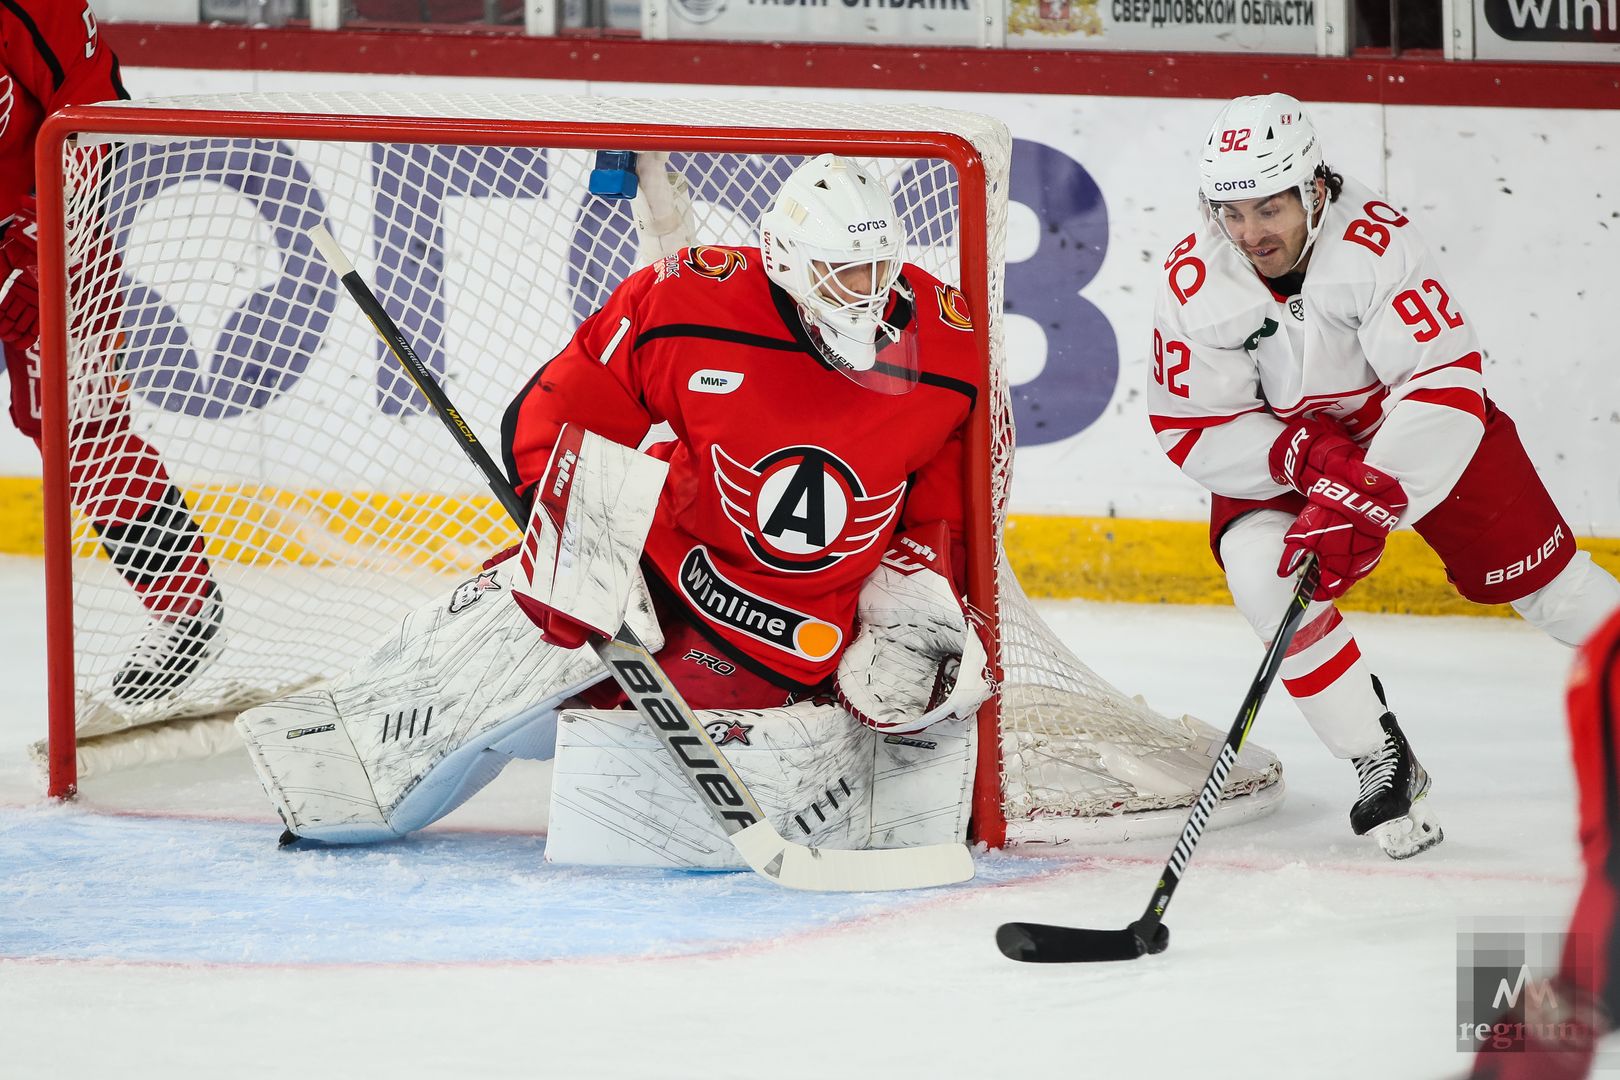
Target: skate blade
[1404,837]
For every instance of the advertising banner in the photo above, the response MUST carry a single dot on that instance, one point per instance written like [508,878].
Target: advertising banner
[1567,30]
[1513,202]
[915,22]
[1272,26]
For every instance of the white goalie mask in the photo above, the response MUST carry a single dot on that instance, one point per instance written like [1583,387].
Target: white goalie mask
[1257,147]
[832,241]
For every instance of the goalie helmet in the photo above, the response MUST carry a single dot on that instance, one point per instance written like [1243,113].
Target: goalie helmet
[833,242]
[1257,147]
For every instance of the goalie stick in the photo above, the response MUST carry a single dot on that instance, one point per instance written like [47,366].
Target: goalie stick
[1038,943]
[697,758]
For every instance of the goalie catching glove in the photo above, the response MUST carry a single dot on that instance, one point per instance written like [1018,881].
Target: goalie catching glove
[915,658]
[577,565]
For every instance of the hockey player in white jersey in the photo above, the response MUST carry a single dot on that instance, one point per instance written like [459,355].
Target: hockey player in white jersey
[1314,370]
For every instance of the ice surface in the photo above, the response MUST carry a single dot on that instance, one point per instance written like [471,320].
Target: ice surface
[152,929]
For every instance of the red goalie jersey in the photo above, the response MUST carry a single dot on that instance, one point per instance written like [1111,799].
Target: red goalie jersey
[786,479]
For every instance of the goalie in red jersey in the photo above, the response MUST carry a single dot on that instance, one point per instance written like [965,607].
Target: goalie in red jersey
[816,388]
[53,56]
[800,536]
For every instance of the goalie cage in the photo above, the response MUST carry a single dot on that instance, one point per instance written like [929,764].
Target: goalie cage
[330,500]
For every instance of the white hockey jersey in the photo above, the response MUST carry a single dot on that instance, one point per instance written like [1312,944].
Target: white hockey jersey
[1373,340]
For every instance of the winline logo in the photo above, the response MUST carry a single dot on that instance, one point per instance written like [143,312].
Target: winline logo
[1591,21]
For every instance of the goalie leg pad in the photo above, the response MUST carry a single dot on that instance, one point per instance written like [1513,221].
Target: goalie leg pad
[418,727]
[821,777]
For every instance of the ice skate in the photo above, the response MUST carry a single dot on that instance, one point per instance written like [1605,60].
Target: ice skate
[1391,804]
[170,653]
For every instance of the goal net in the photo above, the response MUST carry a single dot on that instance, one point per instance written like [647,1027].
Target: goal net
[196,326]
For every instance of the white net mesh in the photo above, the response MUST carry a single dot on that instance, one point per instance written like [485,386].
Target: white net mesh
[204,333]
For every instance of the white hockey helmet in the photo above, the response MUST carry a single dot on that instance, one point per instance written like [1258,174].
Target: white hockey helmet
[832,241]
[1257,147]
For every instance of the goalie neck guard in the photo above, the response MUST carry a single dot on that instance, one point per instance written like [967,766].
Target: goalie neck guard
[1257,147]
[833,242]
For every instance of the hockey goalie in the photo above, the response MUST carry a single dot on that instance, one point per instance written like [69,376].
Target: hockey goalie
[792,557]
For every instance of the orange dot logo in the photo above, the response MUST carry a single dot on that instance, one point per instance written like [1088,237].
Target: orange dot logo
[816,639]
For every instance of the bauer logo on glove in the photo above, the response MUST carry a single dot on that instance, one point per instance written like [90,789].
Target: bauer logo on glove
[915,658]
[1375,513]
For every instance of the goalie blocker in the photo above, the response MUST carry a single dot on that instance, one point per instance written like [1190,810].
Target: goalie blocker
[467,684]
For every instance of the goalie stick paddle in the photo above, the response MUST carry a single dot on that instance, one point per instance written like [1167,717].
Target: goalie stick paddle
[1038,943]
[718,787]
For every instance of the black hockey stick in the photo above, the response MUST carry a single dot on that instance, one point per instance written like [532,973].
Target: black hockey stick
[1038,943]
[697,758]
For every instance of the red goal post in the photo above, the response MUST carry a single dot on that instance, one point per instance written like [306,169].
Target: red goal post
[166,209]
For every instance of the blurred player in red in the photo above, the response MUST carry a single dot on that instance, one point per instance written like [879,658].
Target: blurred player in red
[1552,1035]
[54,56]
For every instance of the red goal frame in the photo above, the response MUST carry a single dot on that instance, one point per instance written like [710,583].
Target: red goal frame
[988,821]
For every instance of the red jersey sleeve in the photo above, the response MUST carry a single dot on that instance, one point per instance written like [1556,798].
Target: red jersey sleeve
[594,382]
[936,495]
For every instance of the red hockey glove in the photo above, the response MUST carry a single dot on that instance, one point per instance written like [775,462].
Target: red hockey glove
[1346,524]
[19,307]
[19,233]
[19,280]
[1310,448]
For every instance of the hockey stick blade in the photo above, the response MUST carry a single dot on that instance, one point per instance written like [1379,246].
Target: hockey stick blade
[1041,944]
[1038,943]
[838,870]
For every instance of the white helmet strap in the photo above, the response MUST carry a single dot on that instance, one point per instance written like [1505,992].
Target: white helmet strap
[1315,204]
